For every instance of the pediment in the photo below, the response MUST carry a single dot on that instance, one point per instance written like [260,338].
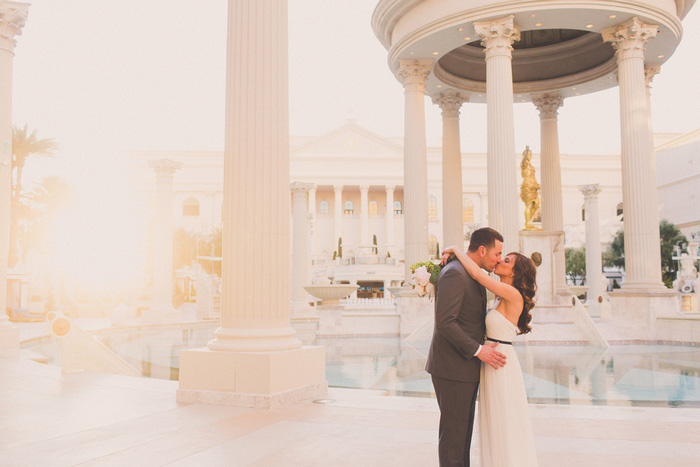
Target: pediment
[349,141]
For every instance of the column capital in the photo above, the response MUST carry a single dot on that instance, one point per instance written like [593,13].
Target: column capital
[164,166]
[414,73]
[338,188]
[497,36]
[548,105]
[589,191]
[364,187]
[299,189]
[450,102]
[13,16]
[390,187]
[629,38]
[649,73]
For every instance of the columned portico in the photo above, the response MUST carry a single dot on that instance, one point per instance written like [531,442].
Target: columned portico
[255,359]
[497,37]
[301,261]
[312,221]
[552,210]
[161,307]
[13,16]
[594,264]
[642,254]
[389,218]
[364,215]
[453,227]
[413,74]
[338,212]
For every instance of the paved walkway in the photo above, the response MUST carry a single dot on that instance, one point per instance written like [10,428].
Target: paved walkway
[52,419]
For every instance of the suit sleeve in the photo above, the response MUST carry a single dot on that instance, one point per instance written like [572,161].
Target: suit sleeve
[450,296]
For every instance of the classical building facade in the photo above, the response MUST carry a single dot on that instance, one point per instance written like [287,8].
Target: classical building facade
[357,192]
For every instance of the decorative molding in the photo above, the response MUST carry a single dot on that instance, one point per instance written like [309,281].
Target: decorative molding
[414,73]
[450,102]
[629,38]
[497,36]
[548,105]
[13,16]
[589,191]
[649,72]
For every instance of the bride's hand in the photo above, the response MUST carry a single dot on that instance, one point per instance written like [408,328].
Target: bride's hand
[446,253]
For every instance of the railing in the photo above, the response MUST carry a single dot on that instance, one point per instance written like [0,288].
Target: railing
[367,301]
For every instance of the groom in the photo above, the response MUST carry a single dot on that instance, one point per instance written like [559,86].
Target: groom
[455,356]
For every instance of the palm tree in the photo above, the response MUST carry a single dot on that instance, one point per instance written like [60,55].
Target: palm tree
[23,146]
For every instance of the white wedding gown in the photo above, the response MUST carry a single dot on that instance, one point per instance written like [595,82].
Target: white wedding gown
[504,417]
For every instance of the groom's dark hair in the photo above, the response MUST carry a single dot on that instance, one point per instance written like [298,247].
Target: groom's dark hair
[485,237]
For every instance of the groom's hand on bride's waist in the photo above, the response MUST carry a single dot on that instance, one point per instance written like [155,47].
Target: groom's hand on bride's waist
[489,354]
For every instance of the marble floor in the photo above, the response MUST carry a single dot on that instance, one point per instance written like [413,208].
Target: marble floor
[52,419]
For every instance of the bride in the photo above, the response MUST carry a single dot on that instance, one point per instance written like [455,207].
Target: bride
[504,418]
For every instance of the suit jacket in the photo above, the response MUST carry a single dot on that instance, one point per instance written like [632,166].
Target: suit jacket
[460,311]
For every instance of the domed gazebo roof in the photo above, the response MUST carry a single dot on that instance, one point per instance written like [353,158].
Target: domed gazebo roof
[560,48]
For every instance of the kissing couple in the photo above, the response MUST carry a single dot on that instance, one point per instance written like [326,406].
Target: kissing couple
[472,347]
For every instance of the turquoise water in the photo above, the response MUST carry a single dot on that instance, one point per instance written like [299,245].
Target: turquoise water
[645,375]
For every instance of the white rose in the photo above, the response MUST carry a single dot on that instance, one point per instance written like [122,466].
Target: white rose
[421,276]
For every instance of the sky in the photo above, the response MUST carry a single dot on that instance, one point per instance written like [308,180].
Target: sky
[102,77]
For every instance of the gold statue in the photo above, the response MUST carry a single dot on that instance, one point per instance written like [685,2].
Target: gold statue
[529,190]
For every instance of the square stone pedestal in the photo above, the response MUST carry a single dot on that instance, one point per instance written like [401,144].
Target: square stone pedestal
[414,311]
[542,247]
[640,311]
[252,379]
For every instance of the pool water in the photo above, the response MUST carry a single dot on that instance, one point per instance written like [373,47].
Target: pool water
[645,375]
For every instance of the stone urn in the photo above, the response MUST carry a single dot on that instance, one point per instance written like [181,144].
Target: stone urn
[330,294]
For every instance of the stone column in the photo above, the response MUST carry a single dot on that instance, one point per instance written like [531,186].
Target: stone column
[13,16]
[483,209]
[642,254]
[413,74]
[594,264]
[255,360]
[452,224]
[161,308]
[497,36]
[364,216]
[338,214]
[552,210]
[313,251]
[389,218]
[301,262]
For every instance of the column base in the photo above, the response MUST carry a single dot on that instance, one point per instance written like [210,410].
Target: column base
[9,340]
[252,379]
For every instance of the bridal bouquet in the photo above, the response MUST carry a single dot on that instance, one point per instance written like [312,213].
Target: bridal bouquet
[425,275]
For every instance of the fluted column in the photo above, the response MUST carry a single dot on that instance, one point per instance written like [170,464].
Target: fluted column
[13,16]
[338,214]
[389,218]
[594,264]
[497,36]
[255,279]
[364,216]
[452,225]
[301,262]
[313,250]
[162,298]
[552,210]
[413,74]
[642,244]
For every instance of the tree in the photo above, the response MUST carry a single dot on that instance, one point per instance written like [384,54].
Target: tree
[38,209]
[576,264]
[23,146]
[669,236]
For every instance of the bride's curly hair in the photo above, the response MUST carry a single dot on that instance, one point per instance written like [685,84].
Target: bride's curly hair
[524,276]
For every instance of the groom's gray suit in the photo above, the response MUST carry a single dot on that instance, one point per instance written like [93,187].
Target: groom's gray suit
[460,311]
